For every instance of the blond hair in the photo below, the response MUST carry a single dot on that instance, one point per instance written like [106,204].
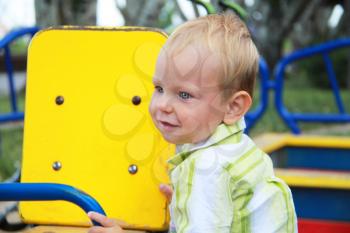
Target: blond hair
[227,36]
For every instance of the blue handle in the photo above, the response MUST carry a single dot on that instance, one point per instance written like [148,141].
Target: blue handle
[49,192]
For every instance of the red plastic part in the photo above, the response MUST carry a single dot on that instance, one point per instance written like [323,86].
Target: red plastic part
[321,226]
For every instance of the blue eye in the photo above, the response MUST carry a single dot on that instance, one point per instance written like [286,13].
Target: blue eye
[184,95]
[159,89]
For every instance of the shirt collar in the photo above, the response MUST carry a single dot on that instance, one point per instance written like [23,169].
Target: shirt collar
[222,132]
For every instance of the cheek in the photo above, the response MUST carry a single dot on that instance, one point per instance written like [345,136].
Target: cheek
[190,115]
[151,106]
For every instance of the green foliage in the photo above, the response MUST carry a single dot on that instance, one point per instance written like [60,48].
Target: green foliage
[10,150]
[11,137]
[5,105]
[19,46]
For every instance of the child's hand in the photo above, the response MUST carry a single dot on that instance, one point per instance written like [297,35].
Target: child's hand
[108,225]
[167,191]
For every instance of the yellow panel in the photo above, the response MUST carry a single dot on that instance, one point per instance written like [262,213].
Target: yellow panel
[97,132]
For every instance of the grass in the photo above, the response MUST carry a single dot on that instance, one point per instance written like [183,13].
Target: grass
[297,99]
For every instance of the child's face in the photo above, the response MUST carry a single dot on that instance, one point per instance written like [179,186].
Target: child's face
[187,105]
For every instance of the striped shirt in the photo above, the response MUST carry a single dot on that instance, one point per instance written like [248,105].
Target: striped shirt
[227,185]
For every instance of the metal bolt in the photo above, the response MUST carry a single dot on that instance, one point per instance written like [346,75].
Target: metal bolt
[56,165]
[59,100]
[136,100]
[132,169]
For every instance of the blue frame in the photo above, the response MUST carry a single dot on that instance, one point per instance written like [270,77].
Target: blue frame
[49,192]
[291,119]
[5,42]
[265,84]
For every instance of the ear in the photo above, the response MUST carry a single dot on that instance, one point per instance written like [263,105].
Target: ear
[237,106]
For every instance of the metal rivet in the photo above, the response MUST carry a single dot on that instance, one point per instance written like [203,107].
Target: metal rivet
[132,169]
[59,100]
[56,165]
[136,100]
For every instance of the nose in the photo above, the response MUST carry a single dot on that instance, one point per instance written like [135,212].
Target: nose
[165,104]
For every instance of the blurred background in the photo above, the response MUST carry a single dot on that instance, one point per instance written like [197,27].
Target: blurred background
[278,27]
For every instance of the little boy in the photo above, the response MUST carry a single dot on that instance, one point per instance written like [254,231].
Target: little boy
[222,182]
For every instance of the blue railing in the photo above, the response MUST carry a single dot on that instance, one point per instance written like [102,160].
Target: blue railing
[291,118]
[14,114]
[48,192]
[255,114]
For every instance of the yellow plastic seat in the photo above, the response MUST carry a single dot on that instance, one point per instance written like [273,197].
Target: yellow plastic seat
[87,125]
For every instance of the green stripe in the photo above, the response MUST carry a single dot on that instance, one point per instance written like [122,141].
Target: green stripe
[241,220]
[245,221]
[242,158]
[245,213]
[188,194]
[249,169]
[290,209]
[241,215]
[233,139]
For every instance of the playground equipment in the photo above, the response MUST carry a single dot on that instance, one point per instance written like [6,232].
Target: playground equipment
[87,127]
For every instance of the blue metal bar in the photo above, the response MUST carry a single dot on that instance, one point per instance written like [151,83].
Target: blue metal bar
[9,69]
[4,44]
[13,35]
[279,72]
[333,81]
[16,116]
[327,118]
[48,192]
[254,115]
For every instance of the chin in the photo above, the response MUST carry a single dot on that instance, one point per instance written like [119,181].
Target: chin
[173,140]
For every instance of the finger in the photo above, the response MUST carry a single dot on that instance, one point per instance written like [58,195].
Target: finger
[96,230]
[102,219]
[166,190]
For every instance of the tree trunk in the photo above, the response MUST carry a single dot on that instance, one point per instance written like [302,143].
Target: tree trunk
[142,12]
[65,12]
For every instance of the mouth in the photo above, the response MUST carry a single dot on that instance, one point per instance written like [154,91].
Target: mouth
[166,125]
